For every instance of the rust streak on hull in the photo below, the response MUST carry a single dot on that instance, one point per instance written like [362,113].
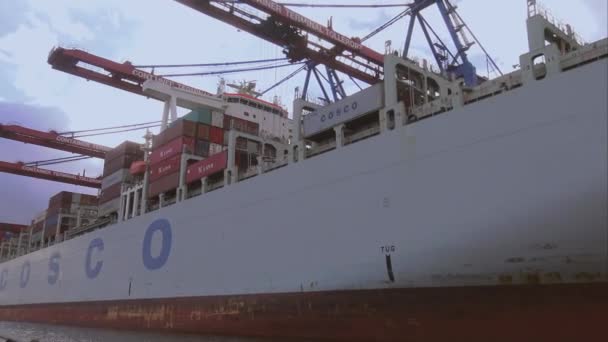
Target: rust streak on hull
[574,312]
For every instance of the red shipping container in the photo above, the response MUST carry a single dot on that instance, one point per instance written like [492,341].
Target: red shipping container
[12,227]
[166,167]
[38,227]
[177,129]
[203,131]
[88,199]
[61,200]
[163,184]
[209,166]
[110,193]
[122,162]
[171,149]
[216,135]
[127,147]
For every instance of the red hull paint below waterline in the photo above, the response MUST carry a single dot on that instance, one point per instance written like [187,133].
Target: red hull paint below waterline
[500,313]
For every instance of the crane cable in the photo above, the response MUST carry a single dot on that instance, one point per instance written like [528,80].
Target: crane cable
[212,64]
[153,124]
[287,4]
[108,128]
[56,161]
[119,131]
[285,79]
[292,4]
[221,72]
[408,11]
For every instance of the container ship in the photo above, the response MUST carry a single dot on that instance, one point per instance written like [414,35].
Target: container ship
[418,209]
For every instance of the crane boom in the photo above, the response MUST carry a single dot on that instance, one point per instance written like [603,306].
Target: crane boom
[52,140]
[22,170]
[293,18]
[119,75]
[290,30]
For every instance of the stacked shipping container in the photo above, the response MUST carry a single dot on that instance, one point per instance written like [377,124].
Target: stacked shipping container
[246,150]
[116,172]
[9,230]
[66,203]
[196,133]
[207,167]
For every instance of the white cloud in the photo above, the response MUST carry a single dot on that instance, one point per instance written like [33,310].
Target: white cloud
[28,60]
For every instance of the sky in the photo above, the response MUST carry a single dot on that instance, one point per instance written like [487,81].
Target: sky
[32,94]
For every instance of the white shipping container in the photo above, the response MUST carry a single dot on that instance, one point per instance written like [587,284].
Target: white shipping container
[109,207]
[215,148]
[217,119]
[118,176]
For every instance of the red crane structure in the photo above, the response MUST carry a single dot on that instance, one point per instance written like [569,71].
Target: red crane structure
[118,75]
[52,140]
[55,141]
[290,30]
[23,170]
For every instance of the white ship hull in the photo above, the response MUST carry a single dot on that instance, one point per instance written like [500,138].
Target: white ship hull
[506,190]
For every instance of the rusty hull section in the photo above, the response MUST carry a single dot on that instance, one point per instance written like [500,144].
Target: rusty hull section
[576,312]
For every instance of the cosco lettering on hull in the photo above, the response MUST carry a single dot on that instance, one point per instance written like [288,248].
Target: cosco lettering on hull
[93,264]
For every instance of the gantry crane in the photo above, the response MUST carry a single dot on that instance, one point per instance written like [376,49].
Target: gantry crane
[291,31]
[57,176]
[279,25]
[119,75]
[52,140]
[55,141]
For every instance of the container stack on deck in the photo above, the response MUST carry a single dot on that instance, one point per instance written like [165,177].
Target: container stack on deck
[9,238]
[198,133]
[63,211]
[115,173]
[37,226]
[246,149]
[9,230]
